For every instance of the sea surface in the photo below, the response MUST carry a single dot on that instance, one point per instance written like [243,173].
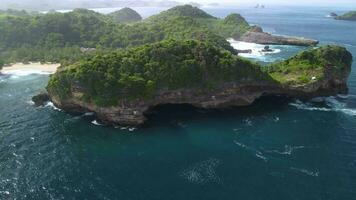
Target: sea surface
[275,149]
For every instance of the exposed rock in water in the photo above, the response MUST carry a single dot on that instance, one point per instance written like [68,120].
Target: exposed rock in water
[324,72]
[333,14]
[267,49]
[260,37]
[41,99]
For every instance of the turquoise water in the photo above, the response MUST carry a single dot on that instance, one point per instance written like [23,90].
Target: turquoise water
[274,149]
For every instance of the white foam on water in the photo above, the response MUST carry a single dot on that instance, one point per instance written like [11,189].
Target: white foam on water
[202,172]
[5,192]
[256,50]
[96,123]
[333,104]
[132,129]
[288,150]
[19,73]
[51,105]
[305,171]
[257,153]
[88,114]
[30,102]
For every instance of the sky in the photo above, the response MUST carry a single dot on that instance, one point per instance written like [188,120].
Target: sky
[280,2]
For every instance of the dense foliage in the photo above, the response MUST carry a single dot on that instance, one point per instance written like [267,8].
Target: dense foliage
[141,72]
[348,16]
[83,28]
[301,68]
[126,15]
[1,63]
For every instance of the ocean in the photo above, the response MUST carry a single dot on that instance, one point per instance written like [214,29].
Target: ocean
[274,149]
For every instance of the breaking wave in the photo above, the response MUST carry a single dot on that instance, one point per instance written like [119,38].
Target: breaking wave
[20,73]
[331,104]
[305,171]
[288,150]
[256,50]
[51,105]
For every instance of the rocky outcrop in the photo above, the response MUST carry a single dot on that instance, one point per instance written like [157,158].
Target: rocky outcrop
[41,99]
[256,35]
[232,94]
[324,72]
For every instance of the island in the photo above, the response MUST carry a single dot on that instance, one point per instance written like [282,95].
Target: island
[121,86]
[350,16]
[67,37]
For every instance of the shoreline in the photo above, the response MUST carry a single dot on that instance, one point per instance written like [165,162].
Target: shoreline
[33,68]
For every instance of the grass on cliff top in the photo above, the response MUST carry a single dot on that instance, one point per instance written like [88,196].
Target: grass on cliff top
[309,66]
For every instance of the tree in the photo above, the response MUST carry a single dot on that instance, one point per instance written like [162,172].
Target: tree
[1,63]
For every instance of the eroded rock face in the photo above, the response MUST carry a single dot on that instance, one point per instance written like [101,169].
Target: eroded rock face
[312,73]
[229,95]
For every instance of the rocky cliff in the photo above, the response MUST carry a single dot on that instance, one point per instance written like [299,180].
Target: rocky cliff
[220,80]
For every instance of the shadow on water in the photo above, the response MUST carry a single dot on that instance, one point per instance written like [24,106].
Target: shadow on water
[172,114]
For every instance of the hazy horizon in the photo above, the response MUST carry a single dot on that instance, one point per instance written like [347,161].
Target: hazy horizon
[69,4]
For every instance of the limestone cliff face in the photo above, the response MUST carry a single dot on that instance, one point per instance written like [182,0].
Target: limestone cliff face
[317,72]
[132,113]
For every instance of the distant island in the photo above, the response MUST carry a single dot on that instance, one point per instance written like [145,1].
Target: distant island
[350,16]
[66,37]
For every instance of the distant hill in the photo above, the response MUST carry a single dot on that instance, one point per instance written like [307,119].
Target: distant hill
[351,16]
[185,11]
[126,15]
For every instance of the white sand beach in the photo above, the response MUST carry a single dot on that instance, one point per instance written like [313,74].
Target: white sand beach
[31,68]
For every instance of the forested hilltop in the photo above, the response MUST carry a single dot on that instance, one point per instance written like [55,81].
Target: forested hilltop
[121,86]
[26,37]
[126,15]
[66,37]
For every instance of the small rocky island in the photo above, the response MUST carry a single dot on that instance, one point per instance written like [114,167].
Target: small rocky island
[121,86]
[350,16]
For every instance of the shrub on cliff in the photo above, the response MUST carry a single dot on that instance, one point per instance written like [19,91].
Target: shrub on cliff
[301,68]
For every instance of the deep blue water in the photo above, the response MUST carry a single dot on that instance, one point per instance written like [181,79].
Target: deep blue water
[274,149]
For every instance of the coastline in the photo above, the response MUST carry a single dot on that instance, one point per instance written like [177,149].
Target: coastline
[30,68]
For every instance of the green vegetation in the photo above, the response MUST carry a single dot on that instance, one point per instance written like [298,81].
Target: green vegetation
[301,68]
[126,15]
[1,64]
[23,34]
[348,16]
[141,72]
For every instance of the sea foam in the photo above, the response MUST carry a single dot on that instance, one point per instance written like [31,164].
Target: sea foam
[332,105]
[256,50]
